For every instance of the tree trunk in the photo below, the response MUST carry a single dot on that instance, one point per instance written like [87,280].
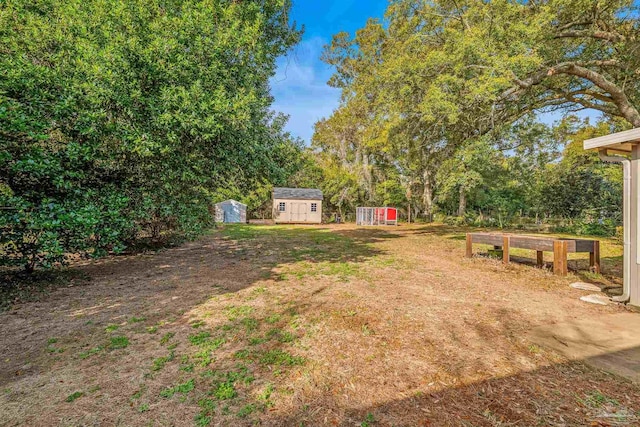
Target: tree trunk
[427,196]
[462,204]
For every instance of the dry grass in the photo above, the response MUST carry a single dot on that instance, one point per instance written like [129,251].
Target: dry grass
[306,326]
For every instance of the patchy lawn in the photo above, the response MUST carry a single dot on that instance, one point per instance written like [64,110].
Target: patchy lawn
[304,326]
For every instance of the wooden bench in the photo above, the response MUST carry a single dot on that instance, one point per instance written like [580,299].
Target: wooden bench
[559,247]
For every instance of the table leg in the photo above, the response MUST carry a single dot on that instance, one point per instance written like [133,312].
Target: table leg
[560,257]
[594,257]
[505,249]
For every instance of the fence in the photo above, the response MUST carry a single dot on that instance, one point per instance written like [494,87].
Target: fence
[376,216]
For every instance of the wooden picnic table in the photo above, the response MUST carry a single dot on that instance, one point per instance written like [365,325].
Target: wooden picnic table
[559,246]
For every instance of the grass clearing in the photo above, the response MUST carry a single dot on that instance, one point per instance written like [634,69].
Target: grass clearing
[290,325]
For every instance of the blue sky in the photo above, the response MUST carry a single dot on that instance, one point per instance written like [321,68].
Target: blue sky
[300,84]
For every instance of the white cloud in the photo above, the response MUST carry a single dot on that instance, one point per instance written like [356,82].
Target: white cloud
[300,87]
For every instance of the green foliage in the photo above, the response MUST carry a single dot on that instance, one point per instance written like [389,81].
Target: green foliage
[90,352]
[199,338]
[167,337]
[118,342]
[159,362]
[439,104]
[281,358]
[133,116]
[224,390]
[183,388]
[73,396]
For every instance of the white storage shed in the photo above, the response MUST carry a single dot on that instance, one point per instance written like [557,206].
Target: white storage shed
[231,211]
[297,205]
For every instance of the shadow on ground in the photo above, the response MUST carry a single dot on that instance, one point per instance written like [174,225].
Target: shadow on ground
[526,399]
[163,285]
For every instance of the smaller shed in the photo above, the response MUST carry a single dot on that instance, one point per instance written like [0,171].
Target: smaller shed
[231,211]
[297,205]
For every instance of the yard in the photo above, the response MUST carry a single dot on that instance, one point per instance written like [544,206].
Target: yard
[332,325]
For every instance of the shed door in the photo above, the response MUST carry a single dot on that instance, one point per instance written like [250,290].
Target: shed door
[298,212]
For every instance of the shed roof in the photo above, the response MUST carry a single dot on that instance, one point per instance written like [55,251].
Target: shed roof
[620,141]
[297,193]
[231,202]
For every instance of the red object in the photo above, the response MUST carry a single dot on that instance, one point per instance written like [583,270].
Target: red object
[392,214]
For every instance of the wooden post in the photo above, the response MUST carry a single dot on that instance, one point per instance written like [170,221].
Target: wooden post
[594,257]
[505,249]
[469,246]
[539,258]
[560,257]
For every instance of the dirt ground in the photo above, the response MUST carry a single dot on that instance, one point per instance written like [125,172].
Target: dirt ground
[307,326]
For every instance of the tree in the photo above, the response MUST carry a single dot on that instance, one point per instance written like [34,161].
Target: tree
[122,116]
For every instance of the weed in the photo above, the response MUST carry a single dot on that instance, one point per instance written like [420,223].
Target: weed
[119,342]
[197,324]
[90,352]
[246,410]
[209,373]
[202,419]
[281,358]
[52,341]
[242,375]
[199,338]
[73,396]
[286,336]
[187,368]
[241,354]
[138,394]
[274,318]
[224,390]
[596,399]
[256,340]
[368,420]
[366,330]
[111,328]
[280,335]
[204,357]
[161,361]
[167,337]
[250,324]
[235,312]
[53,349]
[207,405]
[183,388]
[143,408]
[265,396]
[137,319]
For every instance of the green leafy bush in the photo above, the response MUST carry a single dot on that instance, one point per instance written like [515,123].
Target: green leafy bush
[132,116]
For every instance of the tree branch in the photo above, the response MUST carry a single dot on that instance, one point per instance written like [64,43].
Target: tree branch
[601,35]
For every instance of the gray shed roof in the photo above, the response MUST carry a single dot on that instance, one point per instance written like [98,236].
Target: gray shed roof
[231,202]
[297,193]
